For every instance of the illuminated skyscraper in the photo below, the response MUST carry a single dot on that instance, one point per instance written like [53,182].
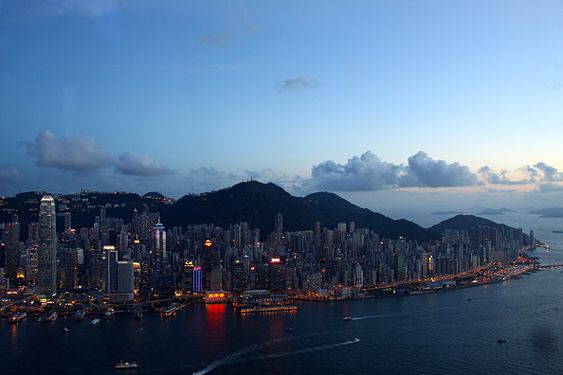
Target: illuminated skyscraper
[159,247]
[47,250]
[12,245]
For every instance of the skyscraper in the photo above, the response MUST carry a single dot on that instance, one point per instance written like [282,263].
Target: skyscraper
[12,241]
[47,250]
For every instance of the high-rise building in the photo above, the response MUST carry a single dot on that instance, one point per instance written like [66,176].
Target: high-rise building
[125,280]
[47,249]
[12,248]
[278,227]
[110,279]
[159,247]
[68,221]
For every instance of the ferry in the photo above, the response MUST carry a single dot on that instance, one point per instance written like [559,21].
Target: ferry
[138,313]
[18,317]
[95,321]
[347,318]
[261,309]
[48,317]
[121,365]
[108,314]
[79,315]
[169,311]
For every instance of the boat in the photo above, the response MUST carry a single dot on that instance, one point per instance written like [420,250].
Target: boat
[347,318]
[108,314]
[557,231]
[79,315]
[169,311]
[138,313]
[18,317]
[121,365]
[48,317]
[95,321]
[290,329]
[500,341]
[66,330]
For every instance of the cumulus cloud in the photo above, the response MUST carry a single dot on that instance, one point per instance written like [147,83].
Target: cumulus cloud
[79,153]
[70,152]
[529,174]
[134,164]
[368,173]
[502,177]
[364,173]
[296,83]
[423,171]
[549,173]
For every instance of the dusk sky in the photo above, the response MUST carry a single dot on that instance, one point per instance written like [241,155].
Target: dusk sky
[386,102]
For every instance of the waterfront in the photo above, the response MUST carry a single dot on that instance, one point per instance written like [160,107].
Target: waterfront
[437,333]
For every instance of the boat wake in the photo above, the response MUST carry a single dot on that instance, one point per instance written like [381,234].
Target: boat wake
[234,356]
[308,350]
[238,356]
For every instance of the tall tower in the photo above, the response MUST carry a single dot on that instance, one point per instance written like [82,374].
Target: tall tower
[12,243]
[159,247]
[47,249]
[278,227]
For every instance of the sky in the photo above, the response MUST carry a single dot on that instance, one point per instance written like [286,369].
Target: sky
[449,104]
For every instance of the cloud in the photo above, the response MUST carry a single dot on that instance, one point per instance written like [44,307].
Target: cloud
[296,83]
[549,188]
[71,152]
[130,163]
[81,154]
[549,173]
[501,178]
[369,173]
[423,171]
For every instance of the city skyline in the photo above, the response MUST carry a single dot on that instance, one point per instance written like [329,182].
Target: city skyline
[370,100]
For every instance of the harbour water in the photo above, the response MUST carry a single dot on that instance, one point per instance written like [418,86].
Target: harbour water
[441,333]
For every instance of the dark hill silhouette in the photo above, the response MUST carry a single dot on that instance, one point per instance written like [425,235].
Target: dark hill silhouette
[258,203]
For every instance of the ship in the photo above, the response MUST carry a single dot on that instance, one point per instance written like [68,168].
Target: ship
[264,309]
[347,318]
[79,315]
[169,311]
[121,365]
[18,317]
[108,314]
[48,317]
[95,321]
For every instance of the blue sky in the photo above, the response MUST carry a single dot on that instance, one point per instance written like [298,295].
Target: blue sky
[186,96]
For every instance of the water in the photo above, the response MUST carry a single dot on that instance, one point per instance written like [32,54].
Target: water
[441,333]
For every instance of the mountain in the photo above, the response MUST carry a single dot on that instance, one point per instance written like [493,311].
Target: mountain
[258,203]
[466,222]
[554,212]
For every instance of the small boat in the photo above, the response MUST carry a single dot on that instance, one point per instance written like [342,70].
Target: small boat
[169,311]
[347,318]
[95,321]
[18,317]
[79,315]
[121,365]
[469,299]
[500,341]
[66,330]
[138,313]
[108,314]
[48,317]
[290,329]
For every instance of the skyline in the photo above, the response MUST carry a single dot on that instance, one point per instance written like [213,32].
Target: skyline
[370,100]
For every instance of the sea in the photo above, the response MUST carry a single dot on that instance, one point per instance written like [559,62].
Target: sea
[449,332]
